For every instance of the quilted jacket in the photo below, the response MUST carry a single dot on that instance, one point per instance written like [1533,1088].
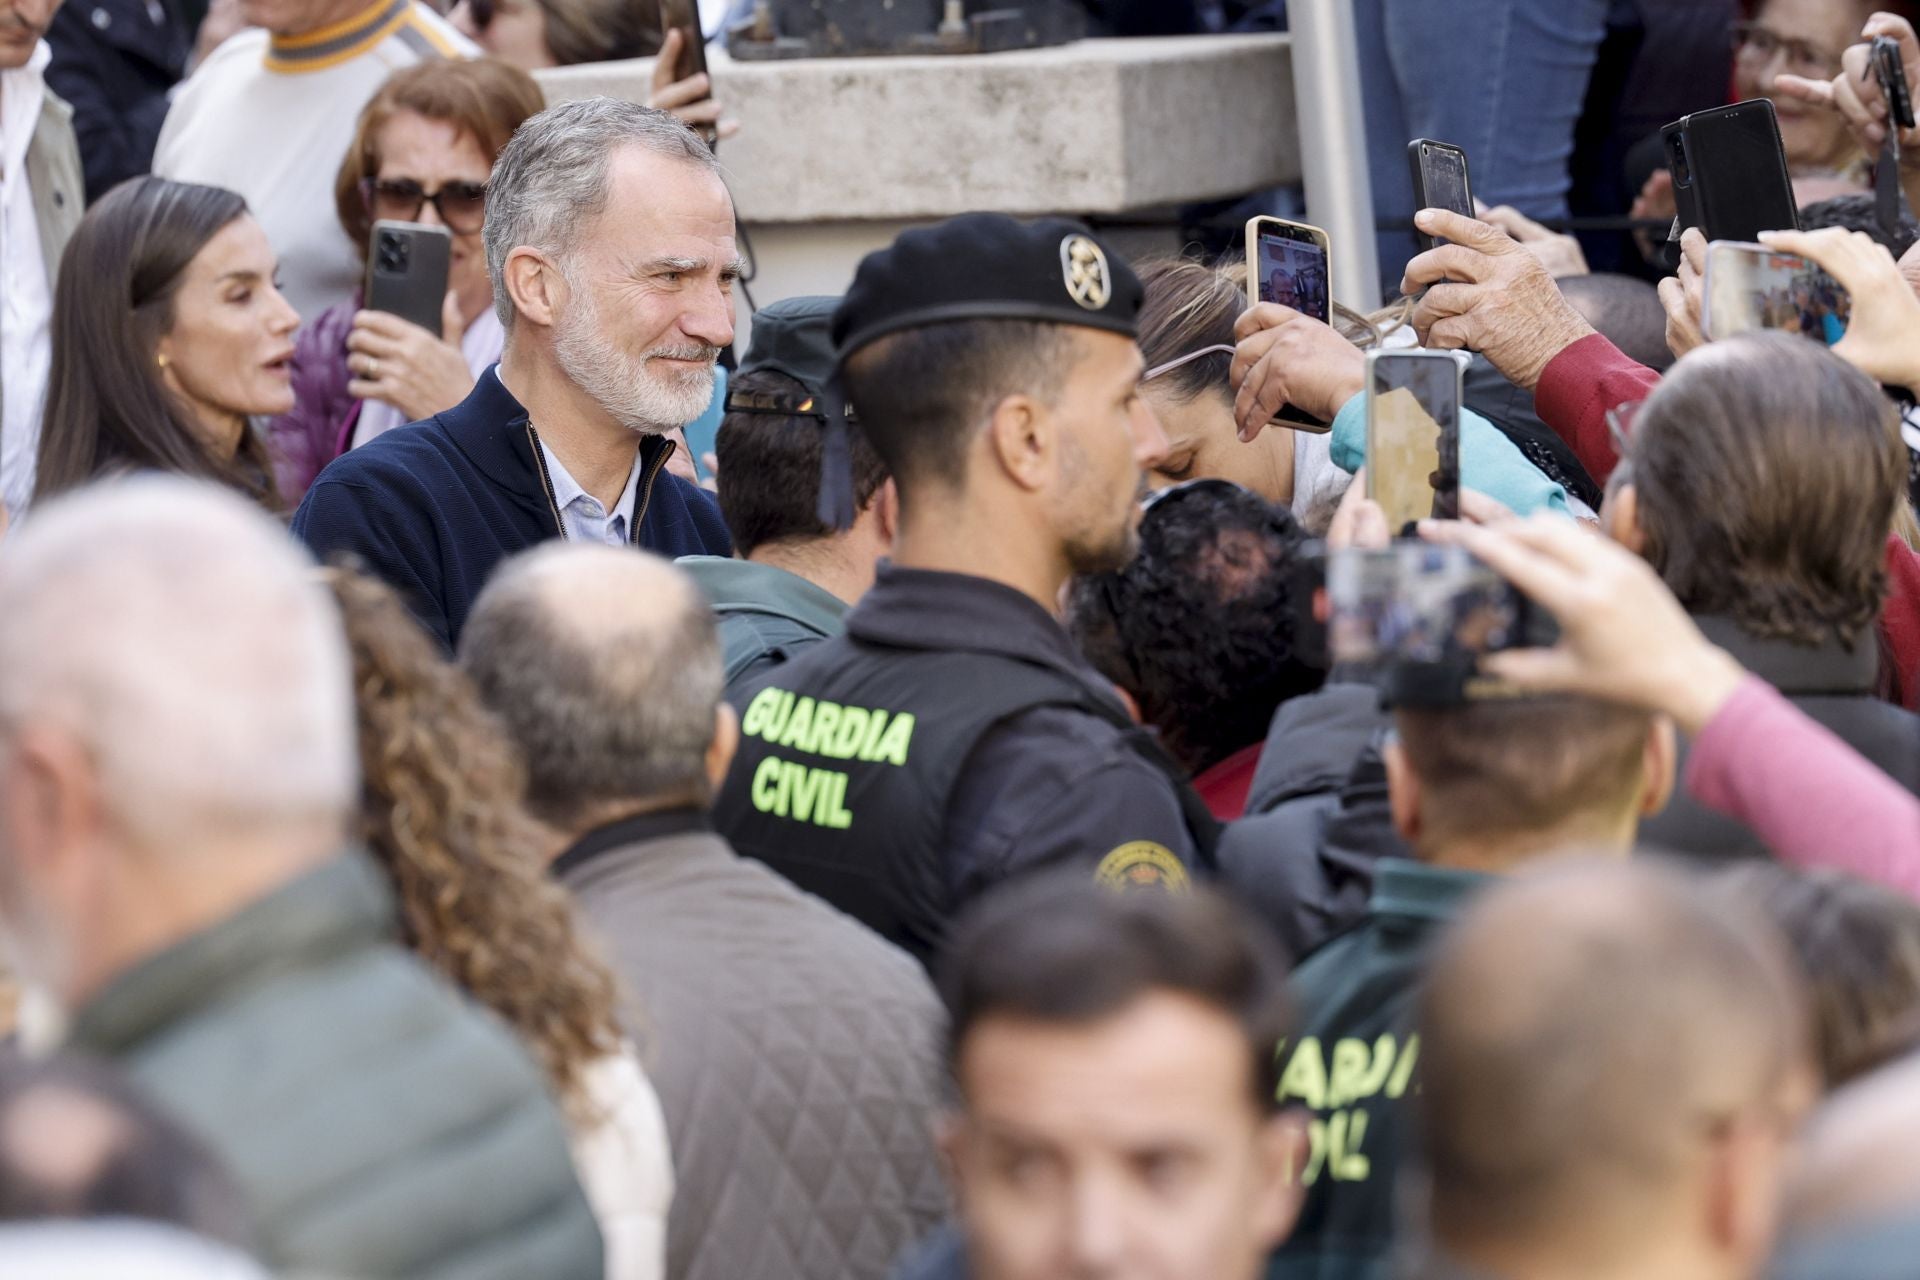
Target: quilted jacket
[795,1053]
[381,1127]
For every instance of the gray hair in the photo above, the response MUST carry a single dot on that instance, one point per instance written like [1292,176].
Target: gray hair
[604,665]
[551,177]
[180,635]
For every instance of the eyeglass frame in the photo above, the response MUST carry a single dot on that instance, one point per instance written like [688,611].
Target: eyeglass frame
[1823,63]
[1218,348]
[370,186]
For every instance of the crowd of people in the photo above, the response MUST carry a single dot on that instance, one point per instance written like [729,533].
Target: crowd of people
[449,833]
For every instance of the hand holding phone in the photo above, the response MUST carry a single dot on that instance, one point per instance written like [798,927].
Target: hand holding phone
[1290,264]
[683,55]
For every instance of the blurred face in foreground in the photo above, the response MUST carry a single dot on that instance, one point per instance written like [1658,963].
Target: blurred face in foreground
[1127,1148]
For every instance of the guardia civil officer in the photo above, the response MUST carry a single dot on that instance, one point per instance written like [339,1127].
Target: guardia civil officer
[953,736]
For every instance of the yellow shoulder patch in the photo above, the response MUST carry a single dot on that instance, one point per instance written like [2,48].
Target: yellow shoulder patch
[1142,864]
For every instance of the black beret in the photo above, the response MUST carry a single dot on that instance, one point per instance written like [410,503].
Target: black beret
[792,336]
[988,266]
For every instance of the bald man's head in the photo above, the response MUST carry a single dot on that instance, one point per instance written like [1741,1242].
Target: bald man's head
[605,666]
[1596,1040]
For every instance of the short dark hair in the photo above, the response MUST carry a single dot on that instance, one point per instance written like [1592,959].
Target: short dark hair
[1859,213]
[1766,470]
[923,393]
[769,482]
[138,1162]
[1200,628]
[1626,310]
[1507,767]
[1057,947]
[1858,946]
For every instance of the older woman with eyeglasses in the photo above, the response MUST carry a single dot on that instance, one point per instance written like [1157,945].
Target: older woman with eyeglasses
[423,151]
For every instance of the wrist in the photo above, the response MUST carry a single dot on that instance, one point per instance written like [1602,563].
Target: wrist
[1562,328]
[1698,686]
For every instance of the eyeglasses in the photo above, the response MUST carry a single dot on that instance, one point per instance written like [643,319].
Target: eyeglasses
[1620,420]
[1191,356]
[461,205]
[1756,46]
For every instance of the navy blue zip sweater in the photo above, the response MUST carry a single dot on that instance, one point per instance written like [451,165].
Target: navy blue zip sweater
[434,506]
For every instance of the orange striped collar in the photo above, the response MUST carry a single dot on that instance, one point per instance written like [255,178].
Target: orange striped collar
[332,45]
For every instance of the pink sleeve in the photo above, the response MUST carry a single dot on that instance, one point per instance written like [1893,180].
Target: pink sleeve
[1809,795]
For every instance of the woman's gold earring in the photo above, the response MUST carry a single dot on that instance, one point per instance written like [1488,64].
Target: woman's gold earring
[161,359]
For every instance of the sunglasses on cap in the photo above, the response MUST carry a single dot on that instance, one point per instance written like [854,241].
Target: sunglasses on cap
[775,404]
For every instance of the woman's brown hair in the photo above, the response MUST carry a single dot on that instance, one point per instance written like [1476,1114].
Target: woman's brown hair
[443,815]
[107,409]
[1765,471]
[485,98]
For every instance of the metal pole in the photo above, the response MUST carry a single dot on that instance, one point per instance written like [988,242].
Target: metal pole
[1333,143]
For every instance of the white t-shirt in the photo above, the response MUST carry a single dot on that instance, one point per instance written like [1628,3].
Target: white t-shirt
[272,119]
[26,295]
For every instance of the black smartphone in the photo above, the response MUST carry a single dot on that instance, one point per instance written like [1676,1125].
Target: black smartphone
[1730,172]
[1413,436]
[407,272]
[684,16]
[1439,180]
[1291,263]
[1888,66]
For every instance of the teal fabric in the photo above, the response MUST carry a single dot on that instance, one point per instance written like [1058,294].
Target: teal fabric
[1489,462]
[705,429]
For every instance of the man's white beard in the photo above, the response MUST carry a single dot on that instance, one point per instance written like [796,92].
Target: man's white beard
[622,384]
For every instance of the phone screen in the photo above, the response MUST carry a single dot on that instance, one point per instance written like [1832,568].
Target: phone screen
[1292,271]
[1417,603]
[1413,437]
[1750,287]
[1446,179]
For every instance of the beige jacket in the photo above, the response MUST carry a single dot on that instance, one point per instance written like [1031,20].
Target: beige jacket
[53,172]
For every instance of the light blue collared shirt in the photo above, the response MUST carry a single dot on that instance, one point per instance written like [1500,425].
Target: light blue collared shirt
[581,514]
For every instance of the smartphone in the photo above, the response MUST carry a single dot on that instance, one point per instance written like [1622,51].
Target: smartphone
[1413,436]
[1421,616]
[1730,172]
[1888,66]
[1750,286]
[407,272]
[1291,263]
[1439,180]
[684,16]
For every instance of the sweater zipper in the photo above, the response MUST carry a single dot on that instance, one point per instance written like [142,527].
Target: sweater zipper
[646,493]
[546,480]
[553,503]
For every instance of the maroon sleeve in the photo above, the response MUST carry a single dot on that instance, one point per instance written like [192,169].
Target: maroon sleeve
[1814,800]
[1900,620]
[1577,389]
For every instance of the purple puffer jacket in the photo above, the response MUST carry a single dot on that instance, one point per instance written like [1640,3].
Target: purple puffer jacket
[320,425]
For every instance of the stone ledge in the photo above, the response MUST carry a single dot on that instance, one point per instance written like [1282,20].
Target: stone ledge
[1100,126]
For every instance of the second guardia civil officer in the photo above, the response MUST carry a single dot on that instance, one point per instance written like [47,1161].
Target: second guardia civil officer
[953,736]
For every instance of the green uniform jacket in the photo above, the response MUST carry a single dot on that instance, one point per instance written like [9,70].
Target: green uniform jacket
[379,1126]
[1353,1065]
[767,616]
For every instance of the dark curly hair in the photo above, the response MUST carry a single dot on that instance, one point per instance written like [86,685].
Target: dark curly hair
[442,813]
[1766,470]
[1201,628]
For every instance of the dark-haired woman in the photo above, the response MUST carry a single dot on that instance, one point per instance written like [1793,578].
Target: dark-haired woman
[169,336]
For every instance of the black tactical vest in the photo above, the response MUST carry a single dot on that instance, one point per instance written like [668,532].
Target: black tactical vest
[848,758]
